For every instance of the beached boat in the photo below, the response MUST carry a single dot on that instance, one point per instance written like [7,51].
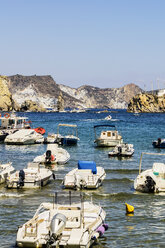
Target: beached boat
[53,155]
[69,139]
[70,225]
[34,176]
[159,143]
[86,176]
[151,180]
[108,138]
[24,137]
[122,150]
[5,171]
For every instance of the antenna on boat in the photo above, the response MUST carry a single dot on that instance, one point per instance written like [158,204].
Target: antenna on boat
[82,209]
[54,199]
[70,201]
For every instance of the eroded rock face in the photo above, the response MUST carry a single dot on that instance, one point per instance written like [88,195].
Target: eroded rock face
[32,107]
[44,93]
[93,97]
[147,103]
[6,101]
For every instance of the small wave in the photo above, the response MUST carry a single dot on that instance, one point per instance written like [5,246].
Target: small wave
[11,195]
[122,171]
[120,180]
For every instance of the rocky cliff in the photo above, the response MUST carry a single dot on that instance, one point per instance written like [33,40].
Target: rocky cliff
[147,103]
[38,93]
[6,101]
[94,97]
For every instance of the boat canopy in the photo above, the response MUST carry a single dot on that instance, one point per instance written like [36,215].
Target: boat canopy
[67,125]
[87,165]
[102,125]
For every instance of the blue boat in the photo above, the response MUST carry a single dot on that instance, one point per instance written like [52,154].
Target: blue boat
[159,143]
[69,139]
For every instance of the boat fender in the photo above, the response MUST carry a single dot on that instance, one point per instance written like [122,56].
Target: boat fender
[53,158]
[57,225]
[101,230]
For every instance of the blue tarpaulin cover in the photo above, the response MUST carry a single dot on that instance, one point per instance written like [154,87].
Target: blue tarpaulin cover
[87,165]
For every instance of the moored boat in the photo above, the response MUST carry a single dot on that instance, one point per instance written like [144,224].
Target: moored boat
[107,138]
[69,139]
[10,123]
[108,118]
[86,176]
[63,225]
[159,143]
[151,180]
[34,176]
[24,137]
[53,155]
[5,171]
[122,150]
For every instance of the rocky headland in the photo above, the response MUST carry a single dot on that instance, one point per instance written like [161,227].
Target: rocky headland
[42,93]
[147,103]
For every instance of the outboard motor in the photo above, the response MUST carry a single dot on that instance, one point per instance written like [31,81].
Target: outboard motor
[48,157]
[159,141]
[119,150]
[57,225]
[21,178]
[150,184]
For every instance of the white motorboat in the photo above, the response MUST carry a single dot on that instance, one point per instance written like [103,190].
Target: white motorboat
[34,176]
[108,118]
[24,137]
[53,155]
[63,225]
[107,138]
[10,123]
[151,180]
[5,171]
[51,138]
[68,139]
[122,150]
[87,176]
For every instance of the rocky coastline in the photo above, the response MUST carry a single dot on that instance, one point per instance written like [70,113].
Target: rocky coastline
[42,93]
[147,103]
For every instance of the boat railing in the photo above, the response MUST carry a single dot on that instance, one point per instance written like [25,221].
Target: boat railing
[147,153]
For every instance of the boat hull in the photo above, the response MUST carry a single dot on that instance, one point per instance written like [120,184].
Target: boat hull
[68,141]
[28,185]
[106,142]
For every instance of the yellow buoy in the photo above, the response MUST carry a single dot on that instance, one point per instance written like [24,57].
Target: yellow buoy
[129,208]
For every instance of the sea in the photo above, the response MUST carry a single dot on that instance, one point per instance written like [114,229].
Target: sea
[144,228]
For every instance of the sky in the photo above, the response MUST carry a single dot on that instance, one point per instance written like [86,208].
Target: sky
[103,43]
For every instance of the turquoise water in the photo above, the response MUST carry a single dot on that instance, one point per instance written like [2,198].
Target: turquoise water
[145,229]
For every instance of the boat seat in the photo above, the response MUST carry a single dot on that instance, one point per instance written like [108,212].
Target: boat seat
[73,218]
[84,172]
[75,237]
[158,168]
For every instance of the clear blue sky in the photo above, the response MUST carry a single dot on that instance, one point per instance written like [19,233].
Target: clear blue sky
[104,43]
